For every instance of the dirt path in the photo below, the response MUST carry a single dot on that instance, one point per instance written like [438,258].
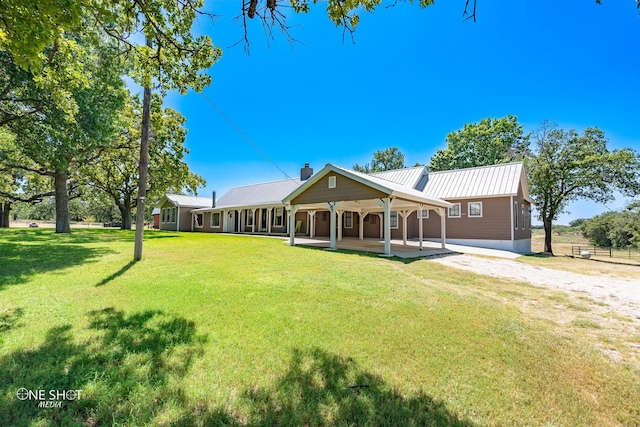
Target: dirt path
[622,295]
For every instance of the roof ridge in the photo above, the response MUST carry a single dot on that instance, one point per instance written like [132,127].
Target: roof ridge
[479,167]
[266,182]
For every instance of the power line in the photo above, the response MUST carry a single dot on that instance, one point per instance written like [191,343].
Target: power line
[254,145]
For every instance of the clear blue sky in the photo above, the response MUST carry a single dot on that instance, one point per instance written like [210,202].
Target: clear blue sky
[412,76]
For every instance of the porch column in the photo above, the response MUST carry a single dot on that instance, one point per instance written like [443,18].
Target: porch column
[333,207]
[339,212]
[312,224]
[420,226]
[404,215]
[443,227]
[193,219]
[292,224]
[386,206]
[361,216]
[269,210]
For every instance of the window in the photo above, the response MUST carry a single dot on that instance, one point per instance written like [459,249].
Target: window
[249,217]
[425,213]
[325,216]
[529,217]
[215,219]
[172,212]
[198,220]
[522,209]
[332,182]
[394,219]
[348,219]
[454,211]
[515,214]
[278,218]
[373,219]
[475,209]
[162,214]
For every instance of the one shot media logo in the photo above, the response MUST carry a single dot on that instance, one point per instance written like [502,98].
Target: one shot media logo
[48,398]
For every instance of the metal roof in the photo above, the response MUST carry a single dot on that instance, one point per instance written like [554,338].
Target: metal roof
[485,181]
[188,201]
[263,194]
[409,177]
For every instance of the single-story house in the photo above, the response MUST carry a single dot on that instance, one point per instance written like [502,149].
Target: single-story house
[485,206]
[175,211]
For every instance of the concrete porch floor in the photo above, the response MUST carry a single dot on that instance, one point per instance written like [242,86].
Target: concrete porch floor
[411,250]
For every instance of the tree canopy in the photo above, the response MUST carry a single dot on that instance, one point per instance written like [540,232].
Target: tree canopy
[383,160]
[487,142]
[566,166]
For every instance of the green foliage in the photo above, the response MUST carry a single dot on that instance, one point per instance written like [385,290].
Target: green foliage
[383,160]
[615,229]
[487,142]
[567,166]
[115,171]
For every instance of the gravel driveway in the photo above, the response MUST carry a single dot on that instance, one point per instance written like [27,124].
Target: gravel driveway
[622,295]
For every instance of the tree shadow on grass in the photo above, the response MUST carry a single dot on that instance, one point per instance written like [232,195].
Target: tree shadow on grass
[21,260]
[79,236]
[117,274]
[10,318]
[324,389]
[366,254]
[129,370]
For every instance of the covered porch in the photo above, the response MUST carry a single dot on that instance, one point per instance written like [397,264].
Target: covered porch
[410,249]
[338,190]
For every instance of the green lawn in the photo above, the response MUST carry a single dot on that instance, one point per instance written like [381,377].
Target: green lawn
[235,330]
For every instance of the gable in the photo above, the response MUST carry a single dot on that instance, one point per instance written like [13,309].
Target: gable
[346,189]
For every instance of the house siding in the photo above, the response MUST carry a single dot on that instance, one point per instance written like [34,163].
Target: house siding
[171,226]
[345,189]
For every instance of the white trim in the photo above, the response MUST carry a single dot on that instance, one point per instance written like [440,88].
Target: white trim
[459,211]
[198,224]
[397,220]
[219,220]
[469,210]
[332,181]
[348,224]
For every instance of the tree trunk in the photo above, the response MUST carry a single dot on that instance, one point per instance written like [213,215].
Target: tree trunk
[144,165]
[5,208]
[63,224]
[547,235]
[125,214]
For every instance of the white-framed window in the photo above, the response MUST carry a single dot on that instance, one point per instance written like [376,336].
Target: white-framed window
[522,209]
[215,219]
[162,215]
[348,219]
[529,217]
[474,209]
[198,220]
[278,218]
[249,217]
[515,215]
[332,182]
[394,219]
[454,211]
[425,213]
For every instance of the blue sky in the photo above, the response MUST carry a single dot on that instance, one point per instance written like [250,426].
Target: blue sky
[412,76]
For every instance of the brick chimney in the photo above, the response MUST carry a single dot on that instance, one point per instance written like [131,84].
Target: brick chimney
[305,172]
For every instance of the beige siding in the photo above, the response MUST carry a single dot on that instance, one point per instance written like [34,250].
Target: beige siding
[346,190]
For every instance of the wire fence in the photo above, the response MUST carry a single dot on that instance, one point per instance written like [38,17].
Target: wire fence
[608,252]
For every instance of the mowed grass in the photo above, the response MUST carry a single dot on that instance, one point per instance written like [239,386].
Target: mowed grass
[237,330]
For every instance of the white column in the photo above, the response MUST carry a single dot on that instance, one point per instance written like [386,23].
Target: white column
[193,220]
[333,207]
[386,206]
[443,227]
[420,226]
[292,224]
[404,215]
[269,210]
[312,224]
[339,212]
[361,216]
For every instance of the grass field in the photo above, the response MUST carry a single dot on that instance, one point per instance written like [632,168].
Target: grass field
[235,330]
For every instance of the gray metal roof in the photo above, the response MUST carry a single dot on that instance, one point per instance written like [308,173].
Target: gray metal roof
[409,177]
[188,201]
[263,194]
[486,181]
